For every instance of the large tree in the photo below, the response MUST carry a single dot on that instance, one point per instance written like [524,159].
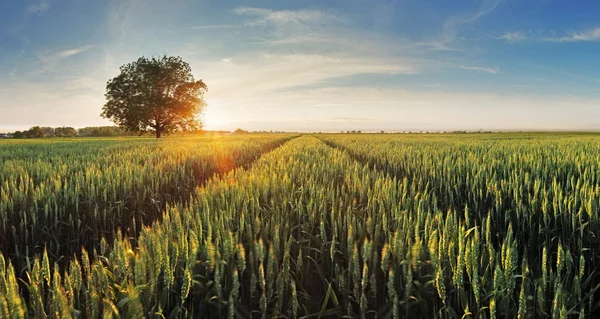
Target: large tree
[155,94]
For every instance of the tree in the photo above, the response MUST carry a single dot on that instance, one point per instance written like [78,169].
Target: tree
[155,94]
[47,131]
[34,132]
[240,131]
[102,131]
[65,132]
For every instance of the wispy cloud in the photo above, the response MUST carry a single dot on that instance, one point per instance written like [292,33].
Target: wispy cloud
[513,37]
[290,71]
[263,16]
[39,7]
[228,61]
[318,33]
[13,72]
[587,35]
[129,20]
[486,7]
[452,26]
[537,36]
[215,26]
[49,60]
[285,49]
[480,69]
[46,56]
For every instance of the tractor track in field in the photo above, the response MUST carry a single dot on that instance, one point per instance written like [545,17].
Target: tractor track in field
[215,176]
[359,159]
[133,235]
[398,175]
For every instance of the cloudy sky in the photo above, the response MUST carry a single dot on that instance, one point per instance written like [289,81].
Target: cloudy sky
[314,65]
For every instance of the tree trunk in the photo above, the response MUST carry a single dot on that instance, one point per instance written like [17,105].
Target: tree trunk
[158,132]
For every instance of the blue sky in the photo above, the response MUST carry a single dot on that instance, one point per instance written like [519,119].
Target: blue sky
[314,65]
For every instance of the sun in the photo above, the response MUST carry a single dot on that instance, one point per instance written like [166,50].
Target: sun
[216,117]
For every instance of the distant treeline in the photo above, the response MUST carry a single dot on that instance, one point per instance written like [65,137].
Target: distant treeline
[99,131]
[242,131]
[44,131]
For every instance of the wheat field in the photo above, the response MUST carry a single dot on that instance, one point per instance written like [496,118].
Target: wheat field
[301,226]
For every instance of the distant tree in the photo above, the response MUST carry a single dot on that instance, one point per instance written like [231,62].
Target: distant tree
[65,132]
[240,131]
[155,94]
[102,131]
[69,131]
[48,131]
[34,132]
[58,131]
[18,134]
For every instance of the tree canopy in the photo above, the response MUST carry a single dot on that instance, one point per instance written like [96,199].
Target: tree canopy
[155,94]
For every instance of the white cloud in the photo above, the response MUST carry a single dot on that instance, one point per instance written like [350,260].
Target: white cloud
[13,72]
[481,69]
[42,6]
[133,22]
[215,26]
[264,73]
[446,41]
[266,16]
[290,55]
[588,35]
[486,7]
[536,35]
[228,61]
[46,56]
[513,37]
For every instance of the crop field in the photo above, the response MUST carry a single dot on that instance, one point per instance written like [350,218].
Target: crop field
[301,226]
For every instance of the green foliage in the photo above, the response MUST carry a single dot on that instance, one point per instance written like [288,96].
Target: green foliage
[39,132]
[102,131]
[155,94]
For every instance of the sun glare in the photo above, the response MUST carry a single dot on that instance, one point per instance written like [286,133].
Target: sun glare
[216,118]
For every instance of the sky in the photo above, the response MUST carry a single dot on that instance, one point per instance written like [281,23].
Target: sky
[314,65]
